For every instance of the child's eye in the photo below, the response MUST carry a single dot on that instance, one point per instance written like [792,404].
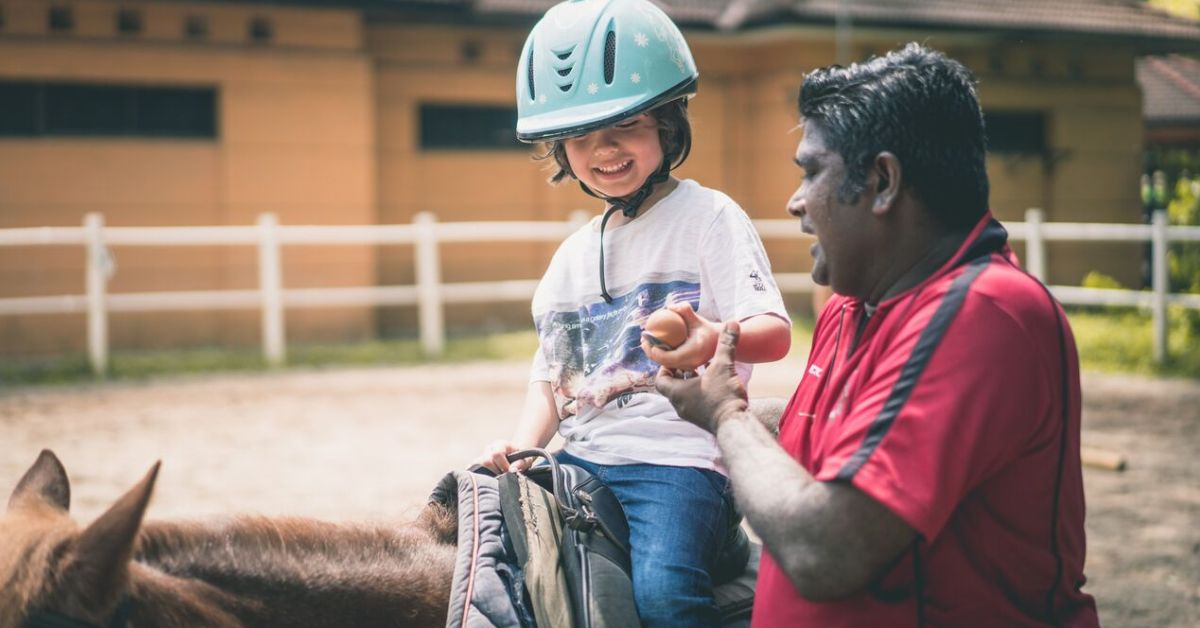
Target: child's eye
[632,122]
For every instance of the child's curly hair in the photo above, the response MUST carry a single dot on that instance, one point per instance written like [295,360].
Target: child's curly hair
[674,134]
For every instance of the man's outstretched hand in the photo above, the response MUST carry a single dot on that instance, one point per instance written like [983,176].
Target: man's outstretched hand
[714,396]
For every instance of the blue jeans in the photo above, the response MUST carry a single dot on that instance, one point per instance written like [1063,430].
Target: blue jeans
[678,517]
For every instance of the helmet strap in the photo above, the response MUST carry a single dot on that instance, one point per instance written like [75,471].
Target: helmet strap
[629,207]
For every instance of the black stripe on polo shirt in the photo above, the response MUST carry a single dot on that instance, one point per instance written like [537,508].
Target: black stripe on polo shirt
[930,338]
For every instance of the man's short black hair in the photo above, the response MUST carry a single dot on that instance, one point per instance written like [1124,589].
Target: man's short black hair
[917,104]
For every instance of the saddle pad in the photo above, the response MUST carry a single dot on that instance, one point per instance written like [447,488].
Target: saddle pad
[535,527]
[487,588]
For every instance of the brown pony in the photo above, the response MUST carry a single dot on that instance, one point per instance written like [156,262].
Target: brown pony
[247,571]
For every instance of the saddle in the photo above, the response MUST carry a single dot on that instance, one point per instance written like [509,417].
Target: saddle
[569,535]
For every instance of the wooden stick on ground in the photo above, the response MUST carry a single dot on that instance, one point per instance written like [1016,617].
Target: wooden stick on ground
[1102,459]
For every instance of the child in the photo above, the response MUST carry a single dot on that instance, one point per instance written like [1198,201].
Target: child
[605,84]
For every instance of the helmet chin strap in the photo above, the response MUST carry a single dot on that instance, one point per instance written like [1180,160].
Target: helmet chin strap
[629,207]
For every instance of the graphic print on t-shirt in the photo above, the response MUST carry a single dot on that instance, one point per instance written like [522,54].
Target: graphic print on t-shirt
[594,354]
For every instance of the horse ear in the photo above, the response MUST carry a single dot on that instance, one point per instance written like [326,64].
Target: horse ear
[45,480]
[99,560]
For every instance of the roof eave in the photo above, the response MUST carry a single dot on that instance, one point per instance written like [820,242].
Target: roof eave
[1142,44]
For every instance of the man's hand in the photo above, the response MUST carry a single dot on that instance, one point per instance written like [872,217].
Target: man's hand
[713,397]
[696,350]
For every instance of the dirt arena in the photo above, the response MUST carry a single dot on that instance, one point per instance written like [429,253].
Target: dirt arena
[370,443]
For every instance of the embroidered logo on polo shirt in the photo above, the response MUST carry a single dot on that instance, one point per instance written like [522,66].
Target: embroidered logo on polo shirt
[815,370]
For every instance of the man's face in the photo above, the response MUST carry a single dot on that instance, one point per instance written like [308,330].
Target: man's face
[841,248]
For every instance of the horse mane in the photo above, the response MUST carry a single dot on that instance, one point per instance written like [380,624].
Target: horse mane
[286,551]
[294,571]
[238,571]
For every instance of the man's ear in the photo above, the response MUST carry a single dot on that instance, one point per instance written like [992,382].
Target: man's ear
[887,176]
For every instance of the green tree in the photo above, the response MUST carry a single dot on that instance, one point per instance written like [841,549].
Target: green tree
[1183,8]
[1172,182]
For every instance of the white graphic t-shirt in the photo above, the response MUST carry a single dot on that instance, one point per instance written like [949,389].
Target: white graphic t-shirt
[695,246]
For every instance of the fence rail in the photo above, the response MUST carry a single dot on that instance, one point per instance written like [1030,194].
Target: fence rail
[430,294]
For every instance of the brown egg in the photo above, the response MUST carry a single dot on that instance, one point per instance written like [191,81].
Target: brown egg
[665,329]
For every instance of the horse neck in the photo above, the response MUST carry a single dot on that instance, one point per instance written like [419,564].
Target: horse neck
[259,571]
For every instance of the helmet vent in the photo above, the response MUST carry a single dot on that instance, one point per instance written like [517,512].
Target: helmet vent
[563,54]
[565,71]
[610,56]
[529,65]
[566,88]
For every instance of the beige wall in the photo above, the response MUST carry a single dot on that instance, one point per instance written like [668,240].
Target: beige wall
[321,127]
[1094,131]
[296,136]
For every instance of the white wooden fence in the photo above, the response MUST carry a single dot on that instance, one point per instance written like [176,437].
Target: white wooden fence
[430,294]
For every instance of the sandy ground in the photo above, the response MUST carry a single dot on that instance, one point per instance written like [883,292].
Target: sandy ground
[371,443]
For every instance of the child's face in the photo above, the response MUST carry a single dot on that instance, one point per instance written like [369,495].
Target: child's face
[616,160]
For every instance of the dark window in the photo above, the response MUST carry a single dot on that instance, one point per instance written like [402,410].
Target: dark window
[129,22]
[18,109]
[1021,132]
[469,127]
[471,51]
[177,112]
[195,27]
[61,19]
[261,30]
[89,110]
[33,109]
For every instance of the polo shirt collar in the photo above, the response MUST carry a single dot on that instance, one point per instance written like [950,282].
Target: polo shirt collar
[986,237]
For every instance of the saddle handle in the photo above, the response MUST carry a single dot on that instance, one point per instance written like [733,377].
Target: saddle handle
[515,456]
[534,452]
[581,518]
[560,494]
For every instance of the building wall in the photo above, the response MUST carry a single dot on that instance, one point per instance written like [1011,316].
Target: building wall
[1090,173]
[296,136]
[321,126]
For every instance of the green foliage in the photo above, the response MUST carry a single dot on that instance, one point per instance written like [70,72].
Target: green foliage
[1109,340]
[1182,8]
[1121,339]
[1174,185]
[140,365]
[1101,281]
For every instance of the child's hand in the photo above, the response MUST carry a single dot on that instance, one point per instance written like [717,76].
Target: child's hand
[712,398]
[696,350]
[495,457]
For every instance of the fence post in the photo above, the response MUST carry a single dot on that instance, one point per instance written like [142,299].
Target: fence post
[579,218]
[1158,281]
[1035,246]
[97,271]
[270,286]
[429,286]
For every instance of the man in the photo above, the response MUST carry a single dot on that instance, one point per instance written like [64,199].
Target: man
[926,470]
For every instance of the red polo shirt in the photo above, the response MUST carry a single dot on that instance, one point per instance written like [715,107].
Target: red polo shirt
[949,411]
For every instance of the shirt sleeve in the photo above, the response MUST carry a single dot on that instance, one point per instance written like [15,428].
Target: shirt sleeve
[735,271]
[926,428]
[540,370]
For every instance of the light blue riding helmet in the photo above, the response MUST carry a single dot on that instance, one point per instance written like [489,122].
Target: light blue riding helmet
[590,63]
